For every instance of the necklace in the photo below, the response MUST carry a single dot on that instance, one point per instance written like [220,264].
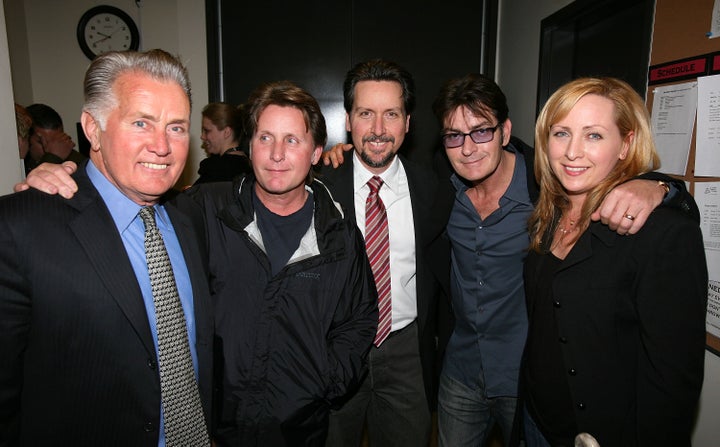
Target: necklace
[570,226]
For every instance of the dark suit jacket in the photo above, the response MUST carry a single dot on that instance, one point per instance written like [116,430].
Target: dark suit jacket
[431,203]
[78,361]
[630,316]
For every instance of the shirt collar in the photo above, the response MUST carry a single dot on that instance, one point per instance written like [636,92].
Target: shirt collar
[122,209]
[517,190]
[361,174]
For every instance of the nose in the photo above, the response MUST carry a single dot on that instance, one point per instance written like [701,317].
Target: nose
[378,125]
[162,145]
[574,149]
[468,147]
[277,152]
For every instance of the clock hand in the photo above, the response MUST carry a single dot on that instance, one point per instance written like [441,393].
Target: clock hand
[104,35]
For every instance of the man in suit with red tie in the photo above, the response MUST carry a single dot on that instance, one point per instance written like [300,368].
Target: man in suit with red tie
[396,204]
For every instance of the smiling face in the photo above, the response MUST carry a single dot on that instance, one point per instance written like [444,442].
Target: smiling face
[476,162]
[585,145]
[282,151]
[144,146]
[377,123]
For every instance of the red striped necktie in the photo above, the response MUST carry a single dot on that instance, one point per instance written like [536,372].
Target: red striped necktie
[377,244]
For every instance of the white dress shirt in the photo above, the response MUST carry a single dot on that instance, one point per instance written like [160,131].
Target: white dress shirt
[395,194]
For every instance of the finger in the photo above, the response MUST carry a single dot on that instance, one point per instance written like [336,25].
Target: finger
[54,179]
[623,224]
[69,166]
[610,215]
[38,182]
[640,217]
[22,186]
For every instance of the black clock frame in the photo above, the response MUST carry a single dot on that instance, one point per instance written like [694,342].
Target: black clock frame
[106,9]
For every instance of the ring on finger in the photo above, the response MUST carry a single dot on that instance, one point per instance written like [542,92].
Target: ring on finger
[629,217]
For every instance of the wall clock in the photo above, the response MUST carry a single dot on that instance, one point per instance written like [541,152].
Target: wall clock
[106,28]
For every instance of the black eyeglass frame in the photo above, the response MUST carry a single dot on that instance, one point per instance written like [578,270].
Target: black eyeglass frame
[475,140]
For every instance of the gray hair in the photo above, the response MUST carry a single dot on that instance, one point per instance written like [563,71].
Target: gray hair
[105,69]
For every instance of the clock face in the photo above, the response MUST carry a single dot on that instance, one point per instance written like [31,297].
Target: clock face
[105,28]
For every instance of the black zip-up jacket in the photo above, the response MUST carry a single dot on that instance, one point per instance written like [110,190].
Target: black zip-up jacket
[289,345]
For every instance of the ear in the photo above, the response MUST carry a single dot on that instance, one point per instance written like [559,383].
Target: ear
[629,138]
[92,130]
[227,132]
[407,124]
[507,131]
[348,127]
[317,152]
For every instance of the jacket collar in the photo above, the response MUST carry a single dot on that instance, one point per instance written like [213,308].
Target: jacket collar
[583,248]
[239,215]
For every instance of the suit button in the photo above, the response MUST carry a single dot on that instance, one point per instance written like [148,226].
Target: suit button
[151,363]
[562,340]
[581,406]
[557,304]
[149,426]
[572,372]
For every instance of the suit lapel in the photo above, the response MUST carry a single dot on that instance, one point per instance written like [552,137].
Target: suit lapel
[96,233]
[583,247]
[196,265]
[422,191]
[196,260]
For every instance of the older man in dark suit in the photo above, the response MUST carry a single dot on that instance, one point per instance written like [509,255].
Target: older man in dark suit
[105,325]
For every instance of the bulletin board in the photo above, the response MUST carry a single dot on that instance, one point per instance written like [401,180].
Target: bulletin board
[683,50]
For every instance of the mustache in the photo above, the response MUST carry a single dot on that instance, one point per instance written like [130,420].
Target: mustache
[379,139]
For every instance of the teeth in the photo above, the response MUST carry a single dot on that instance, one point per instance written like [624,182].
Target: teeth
[574,169]
[154,166]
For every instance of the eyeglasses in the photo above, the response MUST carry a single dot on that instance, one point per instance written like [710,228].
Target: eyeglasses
[457,139]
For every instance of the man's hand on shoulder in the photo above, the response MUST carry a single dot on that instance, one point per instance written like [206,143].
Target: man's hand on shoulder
[626,208]
[335,154]
[52,179]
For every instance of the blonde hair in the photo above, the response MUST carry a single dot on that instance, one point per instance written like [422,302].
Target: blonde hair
[632,119]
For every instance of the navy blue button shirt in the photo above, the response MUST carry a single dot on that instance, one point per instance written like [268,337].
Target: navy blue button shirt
[487,288]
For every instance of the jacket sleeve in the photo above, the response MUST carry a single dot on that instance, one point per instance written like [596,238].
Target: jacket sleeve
[15,312]
[671,306]
[354,324]
[678,197]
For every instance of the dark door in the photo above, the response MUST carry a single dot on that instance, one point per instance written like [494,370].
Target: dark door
[314,43]
[595,38]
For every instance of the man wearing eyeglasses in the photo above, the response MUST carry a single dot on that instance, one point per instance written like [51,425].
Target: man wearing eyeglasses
[495,190]
[491,192]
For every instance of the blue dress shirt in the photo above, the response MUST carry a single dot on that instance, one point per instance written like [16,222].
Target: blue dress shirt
[488,297]
[132,231]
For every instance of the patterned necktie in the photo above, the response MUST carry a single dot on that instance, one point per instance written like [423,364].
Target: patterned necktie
[377,244]
[184,420]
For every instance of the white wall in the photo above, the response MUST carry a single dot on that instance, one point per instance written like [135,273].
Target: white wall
[518,58]
[50,66]
[10,172]
[707,428]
